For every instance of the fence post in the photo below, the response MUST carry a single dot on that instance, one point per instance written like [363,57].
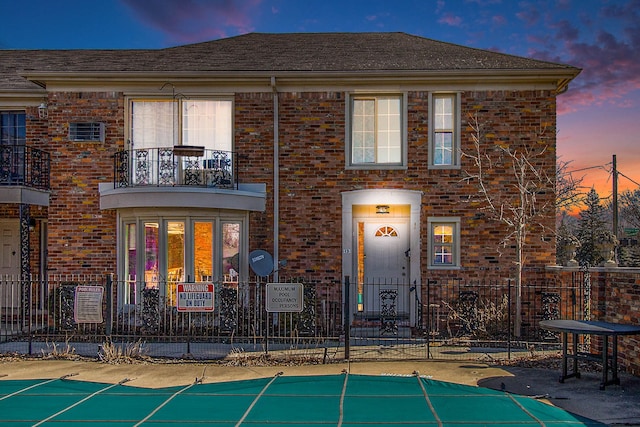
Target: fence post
[347,321]
[509,319]
[28,312]
[266,320]
[109,313]
[428,317]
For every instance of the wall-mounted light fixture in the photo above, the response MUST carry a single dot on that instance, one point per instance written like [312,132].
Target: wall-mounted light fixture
[43,111]
[32,224]
[382,209]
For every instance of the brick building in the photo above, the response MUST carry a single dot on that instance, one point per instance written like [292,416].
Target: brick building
[337,154]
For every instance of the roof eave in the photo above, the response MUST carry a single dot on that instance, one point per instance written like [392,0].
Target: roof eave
[561,76]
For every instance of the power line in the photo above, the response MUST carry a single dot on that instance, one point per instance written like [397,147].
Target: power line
[620,173]
[590,167]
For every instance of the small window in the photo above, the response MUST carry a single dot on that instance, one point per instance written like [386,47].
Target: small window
[444,135]
[386,231]
[13,128]
[376,131]
[86,131]
[444,242]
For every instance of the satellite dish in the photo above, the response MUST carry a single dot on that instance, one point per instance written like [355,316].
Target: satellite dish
[261,262]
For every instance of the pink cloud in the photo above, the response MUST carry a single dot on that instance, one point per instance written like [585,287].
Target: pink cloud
[190,21]
[498,20]
[610,63]
[450,19]
[529,14]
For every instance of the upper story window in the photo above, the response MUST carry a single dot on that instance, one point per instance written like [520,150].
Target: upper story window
[376,131]
[444,136]
[165,122]
[444,242]
[13,129]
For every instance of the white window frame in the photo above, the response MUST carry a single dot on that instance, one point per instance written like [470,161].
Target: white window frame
[12,133]
[350,164]
[162,218]
[455,222]
[178,125]
[455,130]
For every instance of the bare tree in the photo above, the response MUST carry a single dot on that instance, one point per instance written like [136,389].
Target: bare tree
[526,202]
[630,207]
[568,187]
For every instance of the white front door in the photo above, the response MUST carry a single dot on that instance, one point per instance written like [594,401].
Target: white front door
[386,266]
[9,263]
[385,250]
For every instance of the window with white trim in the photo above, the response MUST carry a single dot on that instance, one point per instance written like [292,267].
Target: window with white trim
[444,135]
[157,252]
[444,242]
[163,123]
[376,131]
[13,129]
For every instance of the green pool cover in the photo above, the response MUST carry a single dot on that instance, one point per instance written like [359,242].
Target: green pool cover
[333,400]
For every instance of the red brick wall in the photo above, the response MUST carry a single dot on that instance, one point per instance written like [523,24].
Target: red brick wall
[313,176]
[616,298]
[82,238]
[254,145]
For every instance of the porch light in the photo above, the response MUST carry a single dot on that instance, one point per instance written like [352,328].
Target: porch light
[382,209]
[43,111]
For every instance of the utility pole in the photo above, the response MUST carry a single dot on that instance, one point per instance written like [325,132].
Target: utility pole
[615,196]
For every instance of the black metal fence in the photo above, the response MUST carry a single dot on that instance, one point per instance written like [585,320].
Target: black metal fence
[445,320]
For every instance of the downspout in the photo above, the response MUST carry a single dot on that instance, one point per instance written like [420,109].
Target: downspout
[276,180]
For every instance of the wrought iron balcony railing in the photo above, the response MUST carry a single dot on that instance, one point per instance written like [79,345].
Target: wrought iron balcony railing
[175,166]
[25,166]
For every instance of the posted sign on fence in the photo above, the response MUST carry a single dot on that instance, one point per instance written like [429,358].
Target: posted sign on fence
[195,297]
[87,304]
[284,297]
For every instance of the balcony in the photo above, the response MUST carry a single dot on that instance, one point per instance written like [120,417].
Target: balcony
[175,166]
[179,177]
[25,166]
[24,175]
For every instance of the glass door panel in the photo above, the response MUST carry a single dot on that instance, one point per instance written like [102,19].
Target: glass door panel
[151,246]
[230,251]
[203,251]
[130,259]
[175,258]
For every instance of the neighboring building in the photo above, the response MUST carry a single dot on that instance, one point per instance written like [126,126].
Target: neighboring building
[339,153]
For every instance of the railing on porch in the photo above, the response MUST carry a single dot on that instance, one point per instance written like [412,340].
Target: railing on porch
[26,166]
[176,166]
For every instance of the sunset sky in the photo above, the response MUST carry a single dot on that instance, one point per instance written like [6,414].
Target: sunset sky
[598,117]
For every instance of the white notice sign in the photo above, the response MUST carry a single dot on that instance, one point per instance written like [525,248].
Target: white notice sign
[87,304]
[284,297]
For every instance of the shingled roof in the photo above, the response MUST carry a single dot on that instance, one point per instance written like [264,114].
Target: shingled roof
[276,53]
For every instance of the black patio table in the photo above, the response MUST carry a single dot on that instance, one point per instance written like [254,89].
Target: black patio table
[586,327]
